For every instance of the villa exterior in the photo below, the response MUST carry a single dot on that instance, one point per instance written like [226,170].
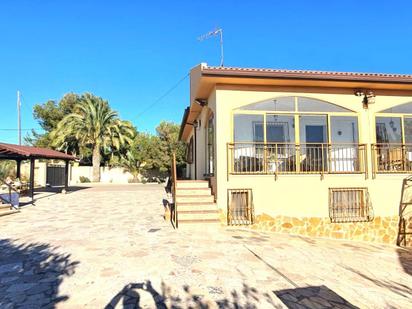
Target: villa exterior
[304,152]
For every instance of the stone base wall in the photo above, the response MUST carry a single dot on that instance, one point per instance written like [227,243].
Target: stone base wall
[381,229]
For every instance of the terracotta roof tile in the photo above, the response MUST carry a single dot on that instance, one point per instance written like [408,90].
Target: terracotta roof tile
[35,152]
[308,73]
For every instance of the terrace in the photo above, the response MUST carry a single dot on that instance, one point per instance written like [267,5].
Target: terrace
[297,135]
[19,154]
[77,250]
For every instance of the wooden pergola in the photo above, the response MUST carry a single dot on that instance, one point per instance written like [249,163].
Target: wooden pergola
[20,153]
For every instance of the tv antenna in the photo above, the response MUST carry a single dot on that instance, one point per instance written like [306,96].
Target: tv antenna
[216,32]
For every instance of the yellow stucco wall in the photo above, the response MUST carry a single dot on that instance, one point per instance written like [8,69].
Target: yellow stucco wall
[303,196]
[201,141]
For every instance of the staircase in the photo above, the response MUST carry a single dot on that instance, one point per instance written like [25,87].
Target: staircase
[195,204]
[6,209]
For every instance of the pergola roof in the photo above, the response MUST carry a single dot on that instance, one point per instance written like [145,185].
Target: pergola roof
[10,151]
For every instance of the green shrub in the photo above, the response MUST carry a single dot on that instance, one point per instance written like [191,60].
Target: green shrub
[7,168]
[84,179]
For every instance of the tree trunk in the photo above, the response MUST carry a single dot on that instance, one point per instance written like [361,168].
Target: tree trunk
[96,163]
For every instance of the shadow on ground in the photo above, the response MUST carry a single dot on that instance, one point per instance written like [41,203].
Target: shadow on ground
[169,208]
[405,258]
[312,297]
[30,274]
[143,295]
[395,287]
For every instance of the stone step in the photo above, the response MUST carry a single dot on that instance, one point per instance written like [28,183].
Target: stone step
[199,224]
[194,198]
[202,215]
[5,206]
[192,184]
[196,206]
[8,212]
[193,191]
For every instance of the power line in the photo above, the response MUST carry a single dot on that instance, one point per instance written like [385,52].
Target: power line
[21,129]
[163,95]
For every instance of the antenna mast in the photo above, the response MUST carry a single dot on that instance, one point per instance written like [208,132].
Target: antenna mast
[216,32]
[19,116]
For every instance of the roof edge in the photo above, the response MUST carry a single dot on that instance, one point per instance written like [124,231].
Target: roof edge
[304,74]
[184,121]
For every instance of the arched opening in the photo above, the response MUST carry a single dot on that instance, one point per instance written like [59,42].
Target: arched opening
[393,148]
[295,104]
[296,134]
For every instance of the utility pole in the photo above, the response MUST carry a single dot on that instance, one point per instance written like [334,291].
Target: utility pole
[216,32]
[19,116]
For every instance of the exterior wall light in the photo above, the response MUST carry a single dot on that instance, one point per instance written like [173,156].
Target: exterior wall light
[196,124]
[368,97]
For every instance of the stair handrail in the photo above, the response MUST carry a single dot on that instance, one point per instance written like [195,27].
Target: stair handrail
[10,187]
[174,180]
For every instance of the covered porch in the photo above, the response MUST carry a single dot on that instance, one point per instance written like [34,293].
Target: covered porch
[30,154]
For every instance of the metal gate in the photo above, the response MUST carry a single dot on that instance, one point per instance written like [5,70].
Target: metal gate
[55,175]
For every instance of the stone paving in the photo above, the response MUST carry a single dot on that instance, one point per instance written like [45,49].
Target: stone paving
[109,247]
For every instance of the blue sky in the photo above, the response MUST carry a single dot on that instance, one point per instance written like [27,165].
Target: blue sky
[132,52]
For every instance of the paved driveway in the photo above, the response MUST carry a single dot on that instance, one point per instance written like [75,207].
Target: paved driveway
[108,246]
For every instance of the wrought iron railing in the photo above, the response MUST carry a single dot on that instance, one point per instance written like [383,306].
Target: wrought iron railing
[288,158]
[391,158]
[174,214]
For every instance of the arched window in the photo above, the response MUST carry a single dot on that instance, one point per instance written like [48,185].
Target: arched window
[395,128]
[315,105]
[295,104]
[274,121]
[405,108]
[286,104]
[291,134]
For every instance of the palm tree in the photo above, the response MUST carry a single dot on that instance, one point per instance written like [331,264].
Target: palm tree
[93,124]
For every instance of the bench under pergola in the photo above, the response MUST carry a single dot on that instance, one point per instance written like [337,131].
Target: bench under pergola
[20,153]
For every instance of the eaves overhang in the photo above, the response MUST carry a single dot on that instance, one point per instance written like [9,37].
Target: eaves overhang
[204,78]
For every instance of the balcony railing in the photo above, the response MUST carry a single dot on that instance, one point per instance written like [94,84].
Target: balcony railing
[288,158]
[391,158]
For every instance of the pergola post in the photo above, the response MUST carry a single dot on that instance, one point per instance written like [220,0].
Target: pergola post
[18,171]
[66,175]
[32,160]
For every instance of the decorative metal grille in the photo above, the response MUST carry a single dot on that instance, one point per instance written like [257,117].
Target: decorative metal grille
[240,207]
[349,205]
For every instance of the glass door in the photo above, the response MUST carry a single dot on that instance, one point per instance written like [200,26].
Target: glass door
[313,138]
[344,147]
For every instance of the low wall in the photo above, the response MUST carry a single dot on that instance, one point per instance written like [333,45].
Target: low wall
[40,172]
[107,175]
